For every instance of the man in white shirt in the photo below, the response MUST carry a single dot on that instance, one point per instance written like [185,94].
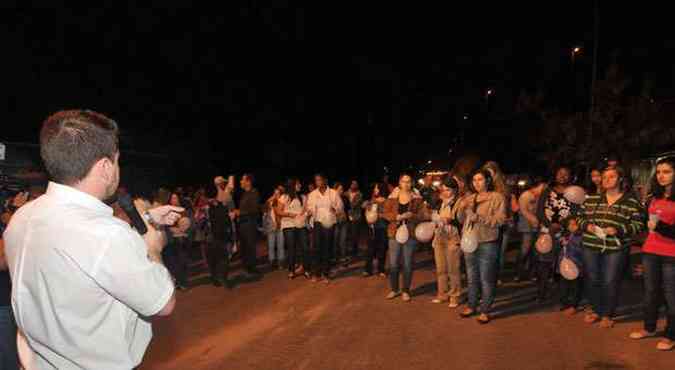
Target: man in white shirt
[323,205]
[85,284]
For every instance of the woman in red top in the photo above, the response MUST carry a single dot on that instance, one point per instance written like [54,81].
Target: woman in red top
[658,255]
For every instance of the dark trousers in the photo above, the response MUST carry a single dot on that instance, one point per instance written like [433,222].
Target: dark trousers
[8,352]
[248,240]
[354,237]
[544,272]
[377,247]
[295,241]
[603,272]
[218,258]
[175,258]
[323,249]
[659,278]
[571,292]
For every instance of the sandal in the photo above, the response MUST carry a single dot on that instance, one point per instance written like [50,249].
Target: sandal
[665,345]
[467,312]
[483,318]
[642,334]
[591,317]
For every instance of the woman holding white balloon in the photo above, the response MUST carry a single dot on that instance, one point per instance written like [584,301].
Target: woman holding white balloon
[446,246]
[377,229]
[485,212]
[403,212]
[553,207]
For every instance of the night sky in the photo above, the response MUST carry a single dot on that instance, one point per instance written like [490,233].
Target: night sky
[346,89]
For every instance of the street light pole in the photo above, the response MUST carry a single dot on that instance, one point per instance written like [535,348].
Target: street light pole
[596,42]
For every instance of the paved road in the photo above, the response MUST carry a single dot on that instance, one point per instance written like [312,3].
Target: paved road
[279,324]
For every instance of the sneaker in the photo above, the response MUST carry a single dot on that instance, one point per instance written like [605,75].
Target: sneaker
[641,334]
[591,317]
[483,318]
[382,275]
[665,345]
[405,297]
[454,303]
[392,295]
[606,323]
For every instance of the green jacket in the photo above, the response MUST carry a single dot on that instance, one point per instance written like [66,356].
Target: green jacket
[626,215]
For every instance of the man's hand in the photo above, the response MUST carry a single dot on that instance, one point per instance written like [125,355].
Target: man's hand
[165,215]
[155,240]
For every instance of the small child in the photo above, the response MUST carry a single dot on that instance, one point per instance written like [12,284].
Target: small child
[571,290]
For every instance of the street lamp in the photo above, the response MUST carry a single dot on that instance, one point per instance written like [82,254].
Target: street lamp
[575,51]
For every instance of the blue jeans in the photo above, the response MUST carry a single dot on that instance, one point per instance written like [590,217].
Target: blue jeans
[659,277]
[8,354]
[603,274]
[275,246]
[397,249]
[481,272]
[340,240]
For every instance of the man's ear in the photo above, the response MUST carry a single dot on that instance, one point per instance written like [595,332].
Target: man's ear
[105,168]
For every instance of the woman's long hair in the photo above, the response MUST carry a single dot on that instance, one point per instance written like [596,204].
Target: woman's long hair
[657,190]
[291,192]
[498,180]
[384,191]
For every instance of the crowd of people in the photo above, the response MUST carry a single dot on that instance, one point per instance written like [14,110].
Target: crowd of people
[573,239]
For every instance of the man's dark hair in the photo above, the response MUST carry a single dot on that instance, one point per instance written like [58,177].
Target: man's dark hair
[250,178]
[72,141]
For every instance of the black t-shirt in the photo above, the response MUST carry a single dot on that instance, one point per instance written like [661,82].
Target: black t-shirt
[5,289]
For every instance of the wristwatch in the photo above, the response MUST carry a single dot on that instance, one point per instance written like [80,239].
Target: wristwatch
[148,218]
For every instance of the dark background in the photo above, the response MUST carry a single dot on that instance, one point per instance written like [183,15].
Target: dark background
[348,89]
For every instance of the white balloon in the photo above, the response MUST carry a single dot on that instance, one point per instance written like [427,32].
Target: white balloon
[469,241]
[575,194]
[402,234]
[424,232]
[568,269]
[544,243]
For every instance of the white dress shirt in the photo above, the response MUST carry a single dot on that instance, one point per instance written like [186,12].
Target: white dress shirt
[324,206]
[83,285]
